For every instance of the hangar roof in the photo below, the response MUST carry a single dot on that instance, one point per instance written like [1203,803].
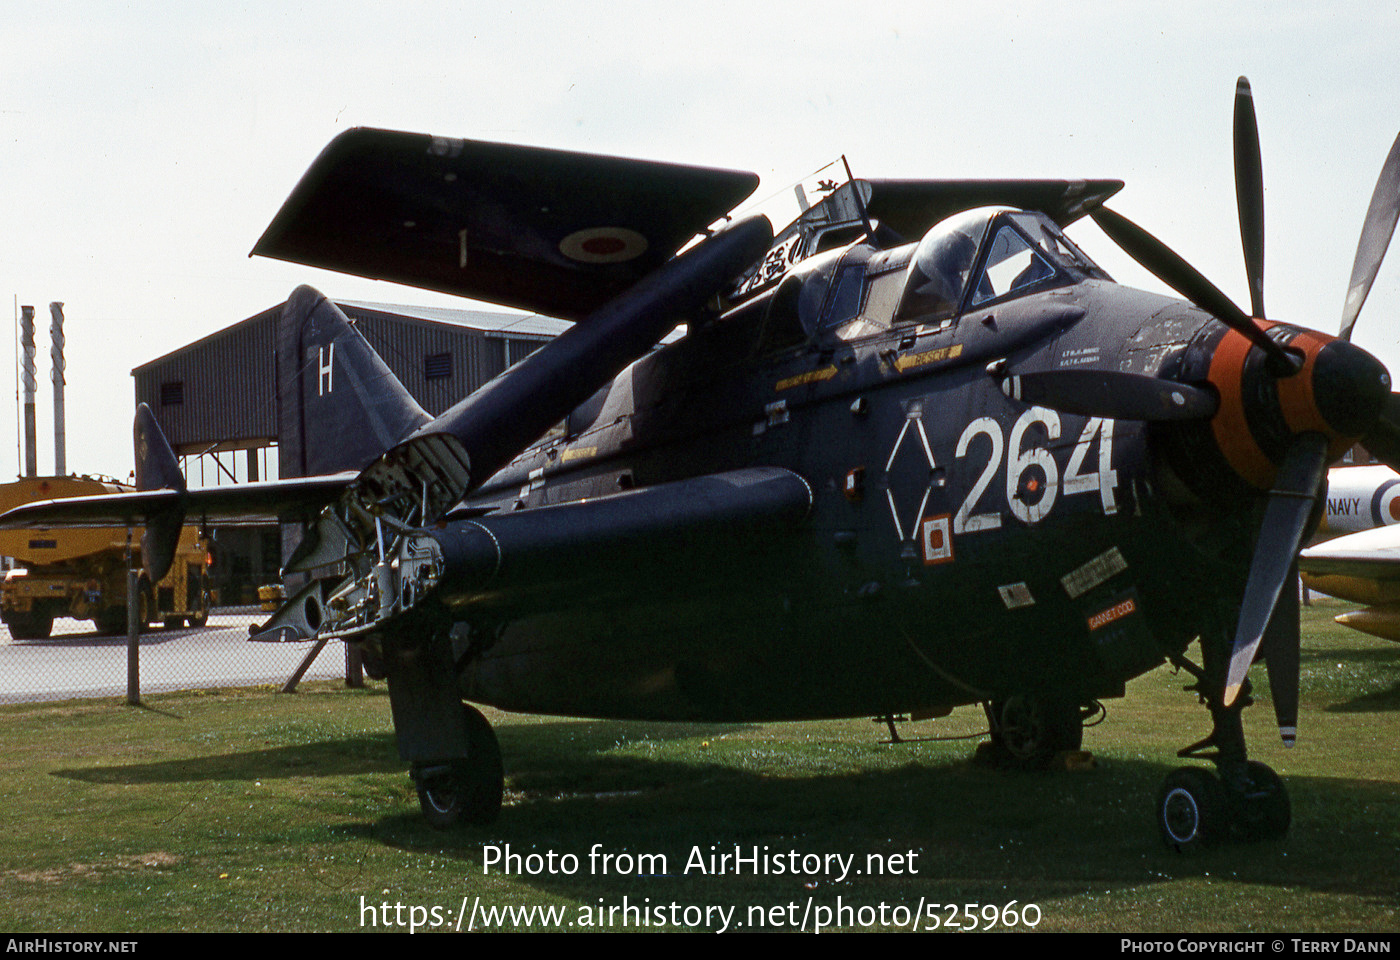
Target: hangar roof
[493,323]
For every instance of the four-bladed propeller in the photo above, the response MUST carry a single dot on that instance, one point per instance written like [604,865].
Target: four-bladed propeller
[1354,388]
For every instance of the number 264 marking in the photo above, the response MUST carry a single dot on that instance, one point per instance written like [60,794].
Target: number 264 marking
[1018,461]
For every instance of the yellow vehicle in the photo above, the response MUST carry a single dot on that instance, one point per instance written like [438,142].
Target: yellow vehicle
[80,572]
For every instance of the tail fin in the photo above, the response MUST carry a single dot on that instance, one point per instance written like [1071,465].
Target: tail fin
[341,404]
[157,469]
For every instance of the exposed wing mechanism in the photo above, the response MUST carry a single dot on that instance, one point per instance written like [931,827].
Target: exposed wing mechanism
[552,555]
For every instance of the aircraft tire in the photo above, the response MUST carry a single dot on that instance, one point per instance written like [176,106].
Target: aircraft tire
[1192,811]
[1031,731]
[469,790]
[1266,813]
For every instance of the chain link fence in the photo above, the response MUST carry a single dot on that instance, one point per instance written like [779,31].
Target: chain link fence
[76,660]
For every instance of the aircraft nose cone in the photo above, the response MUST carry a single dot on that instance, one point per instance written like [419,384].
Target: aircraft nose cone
[1350,388]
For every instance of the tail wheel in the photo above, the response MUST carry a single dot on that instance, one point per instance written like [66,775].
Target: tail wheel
[1192,809]
[1028,732]
[464,791]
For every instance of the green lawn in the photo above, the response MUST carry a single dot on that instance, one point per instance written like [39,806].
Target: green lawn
[249,810]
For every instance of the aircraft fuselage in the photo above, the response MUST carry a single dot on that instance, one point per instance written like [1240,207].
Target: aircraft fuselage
[912,584]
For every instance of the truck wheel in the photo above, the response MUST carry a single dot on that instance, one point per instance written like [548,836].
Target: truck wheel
[112,621]
[201,616]
[29,626]
[147,609]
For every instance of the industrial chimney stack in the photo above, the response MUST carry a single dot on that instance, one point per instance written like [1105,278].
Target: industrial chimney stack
[60,439]
[31,386]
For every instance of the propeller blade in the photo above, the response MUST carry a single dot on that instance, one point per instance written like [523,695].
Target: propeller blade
[1280,647]
[1111,394]
[1249,193]
[1186,280]
[1291,503]
[1375,238]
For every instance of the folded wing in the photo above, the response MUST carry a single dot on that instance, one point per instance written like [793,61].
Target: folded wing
[552,231]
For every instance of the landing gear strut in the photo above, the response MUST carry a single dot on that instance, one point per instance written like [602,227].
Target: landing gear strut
[1243,800]
[456,761]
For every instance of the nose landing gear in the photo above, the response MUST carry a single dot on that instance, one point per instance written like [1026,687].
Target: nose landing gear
[1244,800]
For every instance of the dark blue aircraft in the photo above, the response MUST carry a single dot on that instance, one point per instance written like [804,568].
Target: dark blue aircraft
[914,452]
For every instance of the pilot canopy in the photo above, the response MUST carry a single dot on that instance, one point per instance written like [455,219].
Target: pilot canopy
[1011,252]
[966,261]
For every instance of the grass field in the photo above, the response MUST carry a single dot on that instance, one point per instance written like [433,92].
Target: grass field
[247,810]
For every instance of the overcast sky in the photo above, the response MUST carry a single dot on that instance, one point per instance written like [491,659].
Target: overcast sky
[147,145]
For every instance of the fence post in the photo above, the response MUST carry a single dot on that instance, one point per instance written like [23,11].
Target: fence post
[133,632]
[354,667]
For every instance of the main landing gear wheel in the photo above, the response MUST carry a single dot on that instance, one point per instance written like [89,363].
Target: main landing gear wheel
[1191,809]
[1028,732]
[1195,808]
[464,791]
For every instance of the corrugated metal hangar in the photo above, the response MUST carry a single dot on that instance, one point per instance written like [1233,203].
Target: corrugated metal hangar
[216,400]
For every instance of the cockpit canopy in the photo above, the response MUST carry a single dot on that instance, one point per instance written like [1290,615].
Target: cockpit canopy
[1013,252]
[966,261]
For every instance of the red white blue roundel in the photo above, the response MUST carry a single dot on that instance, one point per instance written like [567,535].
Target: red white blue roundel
[603,245]
[1385,504]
